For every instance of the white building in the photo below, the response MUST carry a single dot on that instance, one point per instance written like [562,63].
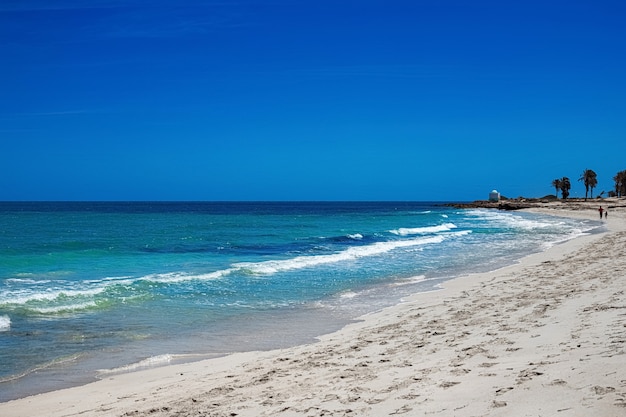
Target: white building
[494,196]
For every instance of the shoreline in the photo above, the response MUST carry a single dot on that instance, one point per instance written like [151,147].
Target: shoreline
[532,337]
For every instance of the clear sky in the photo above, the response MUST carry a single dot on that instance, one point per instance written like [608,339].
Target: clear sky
[308,99]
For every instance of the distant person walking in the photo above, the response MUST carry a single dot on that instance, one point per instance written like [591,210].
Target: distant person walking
[606,214]
[600,210]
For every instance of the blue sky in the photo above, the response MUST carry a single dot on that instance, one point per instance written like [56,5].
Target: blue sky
[308,100]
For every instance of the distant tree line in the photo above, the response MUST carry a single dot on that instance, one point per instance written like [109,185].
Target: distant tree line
[590,180]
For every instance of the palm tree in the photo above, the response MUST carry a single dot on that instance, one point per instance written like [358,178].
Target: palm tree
[620,183]
[565,187]
[588,177]
[557,186]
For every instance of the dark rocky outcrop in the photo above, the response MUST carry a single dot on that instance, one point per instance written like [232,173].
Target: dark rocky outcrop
[505,204]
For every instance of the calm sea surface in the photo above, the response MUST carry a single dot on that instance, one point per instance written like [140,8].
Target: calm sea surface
[90,289]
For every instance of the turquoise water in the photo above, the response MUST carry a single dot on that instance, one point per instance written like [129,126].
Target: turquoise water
[89,289]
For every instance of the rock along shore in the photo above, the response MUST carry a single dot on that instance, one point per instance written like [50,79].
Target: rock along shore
[548,203]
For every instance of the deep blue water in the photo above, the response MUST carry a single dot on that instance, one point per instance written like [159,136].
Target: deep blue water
[87,289]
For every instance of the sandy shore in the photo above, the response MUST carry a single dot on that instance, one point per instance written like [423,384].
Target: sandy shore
[546,337]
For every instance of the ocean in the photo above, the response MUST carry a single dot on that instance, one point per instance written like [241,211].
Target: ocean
[91,289]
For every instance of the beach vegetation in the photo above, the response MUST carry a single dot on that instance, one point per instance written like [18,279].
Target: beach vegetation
[556,183]
[565,187]
[620,183]
[589,178]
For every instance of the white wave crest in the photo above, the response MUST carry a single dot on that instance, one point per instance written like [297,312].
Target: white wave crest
[300,262]
[146,363]
[13,298]
[23,281]
[356,236]
[175,277]
[348,294]
[5,323]
[409,281]
[62,300]
[512,220]
[64,308]
[404,231]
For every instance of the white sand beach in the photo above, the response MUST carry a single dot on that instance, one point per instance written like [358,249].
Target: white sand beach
[545,337]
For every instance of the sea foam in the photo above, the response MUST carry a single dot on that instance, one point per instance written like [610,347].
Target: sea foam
[175,277]
[410,281]
[69,308]
[5,323]
[158,360]
[405,231]
[300,262]
[356,236]
[24,297]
